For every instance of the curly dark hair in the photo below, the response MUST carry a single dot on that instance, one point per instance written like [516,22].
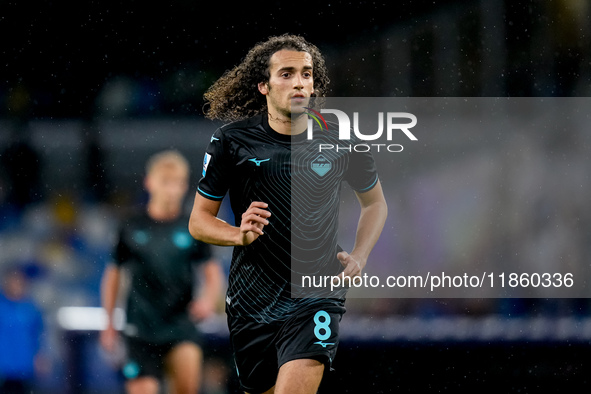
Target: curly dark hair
[235,95]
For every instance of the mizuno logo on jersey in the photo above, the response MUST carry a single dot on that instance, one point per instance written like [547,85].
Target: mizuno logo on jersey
[141,237]
[258,161]
[213,139]
[323,344]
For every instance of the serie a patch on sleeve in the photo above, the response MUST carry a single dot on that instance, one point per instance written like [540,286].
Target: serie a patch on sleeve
[206,161]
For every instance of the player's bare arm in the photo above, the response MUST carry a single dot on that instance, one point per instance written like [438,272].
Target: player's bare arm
[374,211]
[204,306]
[109,291]
[205,226]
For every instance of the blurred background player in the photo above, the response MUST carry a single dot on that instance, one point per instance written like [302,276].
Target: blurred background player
[157,249]
[21,327]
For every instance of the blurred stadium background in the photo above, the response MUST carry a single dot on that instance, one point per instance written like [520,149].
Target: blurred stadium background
[89,91]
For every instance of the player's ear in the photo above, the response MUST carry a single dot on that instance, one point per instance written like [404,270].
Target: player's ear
[147,183]
[263,88]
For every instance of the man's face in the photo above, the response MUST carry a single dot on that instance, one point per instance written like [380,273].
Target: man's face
[167,183]
[15,286]
[290,83]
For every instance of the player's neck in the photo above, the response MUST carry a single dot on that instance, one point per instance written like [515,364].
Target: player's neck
[14,296]
[163,212]
[287,125]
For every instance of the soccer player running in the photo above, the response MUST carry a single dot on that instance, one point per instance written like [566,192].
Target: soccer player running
[282,343]
[160,254]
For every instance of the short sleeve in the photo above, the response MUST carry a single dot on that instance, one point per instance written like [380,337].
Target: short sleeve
[215,175]
[121,254]
[362,174]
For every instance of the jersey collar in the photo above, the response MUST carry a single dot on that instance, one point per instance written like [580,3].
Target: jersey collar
[278,136]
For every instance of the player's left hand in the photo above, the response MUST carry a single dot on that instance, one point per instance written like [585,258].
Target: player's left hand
[352,265]
[201,309]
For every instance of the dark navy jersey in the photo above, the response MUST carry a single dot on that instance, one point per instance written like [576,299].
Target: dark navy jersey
[160,256]
[250,161]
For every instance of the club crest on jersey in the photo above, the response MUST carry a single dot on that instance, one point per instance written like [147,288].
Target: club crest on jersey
[182,239]
[321,165]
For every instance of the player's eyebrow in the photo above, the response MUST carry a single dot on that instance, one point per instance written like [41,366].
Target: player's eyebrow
[291,69]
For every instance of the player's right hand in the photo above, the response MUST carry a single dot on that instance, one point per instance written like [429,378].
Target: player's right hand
[253,221]
[108,339]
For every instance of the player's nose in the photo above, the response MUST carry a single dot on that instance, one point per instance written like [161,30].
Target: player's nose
[298,82]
